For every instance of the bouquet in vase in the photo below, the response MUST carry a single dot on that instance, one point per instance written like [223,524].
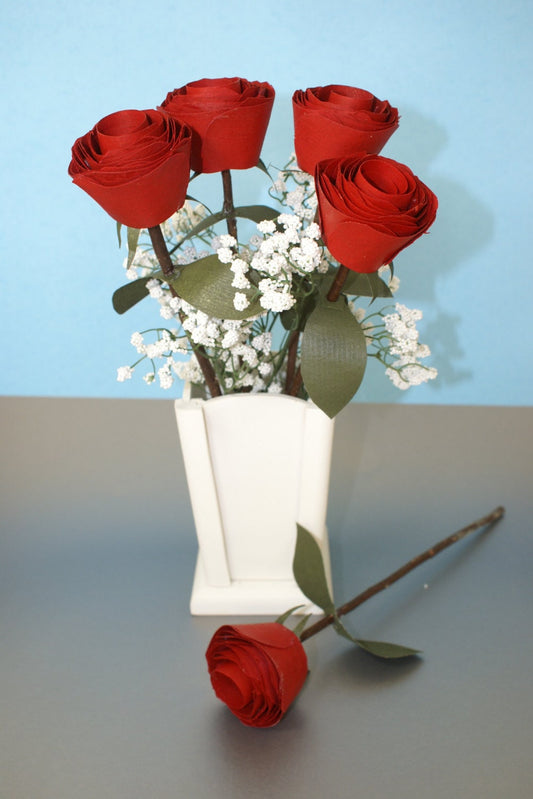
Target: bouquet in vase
[299,305]
[291,297]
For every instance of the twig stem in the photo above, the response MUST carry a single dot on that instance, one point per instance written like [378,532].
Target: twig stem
[338,283]
[167,267]
[291,359]
[228,206]
[491,518]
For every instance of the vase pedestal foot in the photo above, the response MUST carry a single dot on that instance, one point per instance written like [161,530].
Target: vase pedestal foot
[246,597]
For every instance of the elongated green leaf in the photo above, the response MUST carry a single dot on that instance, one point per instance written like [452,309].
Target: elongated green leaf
[119,226]
[288,613]
[333,356]
[130,294]
[366,285]
[292,319]
[206,285]
[133,238]
[261,165]
[256,213]
[309,572]
[380,649]
[300,627]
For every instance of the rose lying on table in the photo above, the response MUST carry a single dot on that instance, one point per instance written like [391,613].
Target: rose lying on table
[258,670]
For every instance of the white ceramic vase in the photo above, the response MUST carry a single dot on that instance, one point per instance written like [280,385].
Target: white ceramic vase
[256,464]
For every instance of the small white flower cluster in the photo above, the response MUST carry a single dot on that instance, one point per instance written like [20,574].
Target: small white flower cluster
[406,370]
[302,199]
[284,249]
[280,266]
[244,356]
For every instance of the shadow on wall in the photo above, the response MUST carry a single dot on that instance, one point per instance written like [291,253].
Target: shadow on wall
[463,228]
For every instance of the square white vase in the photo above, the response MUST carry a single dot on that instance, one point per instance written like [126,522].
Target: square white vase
[256,464]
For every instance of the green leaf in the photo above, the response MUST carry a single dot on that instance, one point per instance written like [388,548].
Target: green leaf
[130,294]
[261,165]
[284,616]
[380,649]
[366,285]
[133,238]
[309,572]
[256,213]
[206,285]
[119,225]
[300,627]
[333,356]
[296,319]
[289,319]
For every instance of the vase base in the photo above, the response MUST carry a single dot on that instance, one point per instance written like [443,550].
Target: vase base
[247,597]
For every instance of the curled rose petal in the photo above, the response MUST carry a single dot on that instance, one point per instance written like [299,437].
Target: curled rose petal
[257,670]
[335,121]
[135,164]
[229,118]
[370,208]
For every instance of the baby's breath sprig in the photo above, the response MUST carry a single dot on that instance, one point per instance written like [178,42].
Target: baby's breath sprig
[282,269]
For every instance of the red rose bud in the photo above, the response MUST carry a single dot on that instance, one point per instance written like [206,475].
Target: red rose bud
[336,121]
[257,670]
[229,118]
[370,208]
[135,164]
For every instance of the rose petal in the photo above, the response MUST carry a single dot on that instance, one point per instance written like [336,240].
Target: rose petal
[370,209]
[229,118]
[135,164]
[257,670]
[334,121]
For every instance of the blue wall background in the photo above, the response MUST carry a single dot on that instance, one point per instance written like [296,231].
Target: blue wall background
[460,74]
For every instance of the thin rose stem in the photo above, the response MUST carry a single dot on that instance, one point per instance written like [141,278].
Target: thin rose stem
[291,359]
[296,384]
[228,206]
[338,283]
[167,267]
[491,518]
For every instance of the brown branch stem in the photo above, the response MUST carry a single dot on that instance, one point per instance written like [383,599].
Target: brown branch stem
[296,384]
[228,207]
[167,267]
[292,352]
[491,518]
[338,283]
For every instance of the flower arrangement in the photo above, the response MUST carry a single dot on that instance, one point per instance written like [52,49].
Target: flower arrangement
[291,307]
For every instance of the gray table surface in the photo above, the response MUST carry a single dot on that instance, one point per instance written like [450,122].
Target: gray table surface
[103,687]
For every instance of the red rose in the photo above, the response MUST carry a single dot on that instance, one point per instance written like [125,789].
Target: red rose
[334,121]
[135,164]
[370,208]
[229,118]
[257,670]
